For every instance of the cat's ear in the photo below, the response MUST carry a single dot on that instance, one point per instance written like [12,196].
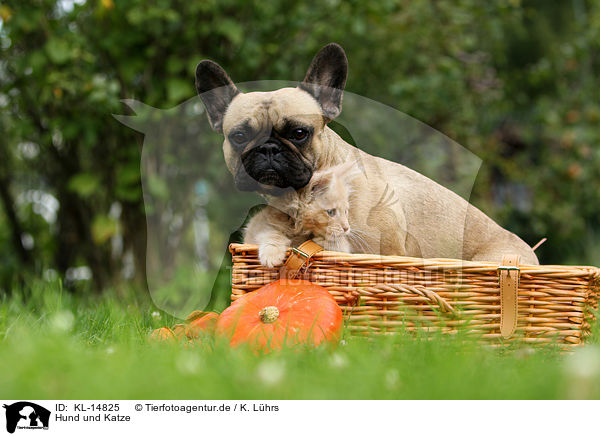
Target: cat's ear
[349,170]
[319,182]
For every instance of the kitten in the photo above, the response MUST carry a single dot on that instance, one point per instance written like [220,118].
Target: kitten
[319,211]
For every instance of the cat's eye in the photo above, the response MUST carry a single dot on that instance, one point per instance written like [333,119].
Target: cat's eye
[330,212]
[299,134]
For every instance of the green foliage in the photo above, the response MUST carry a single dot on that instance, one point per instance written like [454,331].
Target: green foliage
[103,227]
[84,184]
[57,345]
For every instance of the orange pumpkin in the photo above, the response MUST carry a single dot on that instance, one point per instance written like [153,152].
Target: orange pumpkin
[196,323]
[204,323]
[179,331]
[285,312]
[162,334]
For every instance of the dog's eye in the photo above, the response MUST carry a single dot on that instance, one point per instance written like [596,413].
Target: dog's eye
[299,134]
[331,212]
[238,137]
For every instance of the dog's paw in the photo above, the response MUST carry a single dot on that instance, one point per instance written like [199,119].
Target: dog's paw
[271,255]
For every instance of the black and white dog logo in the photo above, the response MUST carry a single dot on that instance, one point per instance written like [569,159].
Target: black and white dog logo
[26,415]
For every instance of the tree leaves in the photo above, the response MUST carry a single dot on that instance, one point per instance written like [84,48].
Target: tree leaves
[84,184]
[59,51]
[178,89]
[158,187]
[103,228]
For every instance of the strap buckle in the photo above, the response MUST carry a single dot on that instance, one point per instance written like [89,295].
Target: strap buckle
[307,260]
[299,260]
[300,253]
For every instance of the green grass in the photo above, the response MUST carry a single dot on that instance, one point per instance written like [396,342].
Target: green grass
[54,345]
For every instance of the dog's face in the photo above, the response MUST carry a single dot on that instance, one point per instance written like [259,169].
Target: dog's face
[273,139]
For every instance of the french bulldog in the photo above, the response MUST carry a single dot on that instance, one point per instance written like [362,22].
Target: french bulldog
[275,141]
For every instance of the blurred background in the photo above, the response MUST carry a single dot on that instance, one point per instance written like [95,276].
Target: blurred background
[514,82]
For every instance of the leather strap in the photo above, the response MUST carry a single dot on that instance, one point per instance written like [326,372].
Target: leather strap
[509,289]
[298,259]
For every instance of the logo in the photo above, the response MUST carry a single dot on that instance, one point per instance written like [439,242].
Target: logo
[26,415]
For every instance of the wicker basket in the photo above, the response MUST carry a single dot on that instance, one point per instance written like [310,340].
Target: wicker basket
[384,294]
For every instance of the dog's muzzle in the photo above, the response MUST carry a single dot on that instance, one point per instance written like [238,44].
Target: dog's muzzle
[272,164]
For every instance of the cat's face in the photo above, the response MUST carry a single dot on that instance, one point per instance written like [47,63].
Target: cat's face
[324,213]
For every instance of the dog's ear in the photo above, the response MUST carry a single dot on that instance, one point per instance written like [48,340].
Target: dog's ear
[326,78]
[216,90]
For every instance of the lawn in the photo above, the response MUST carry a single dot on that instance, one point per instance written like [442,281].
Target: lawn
[54,345]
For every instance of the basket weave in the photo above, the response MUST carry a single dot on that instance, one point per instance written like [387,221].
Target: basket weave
[382,294]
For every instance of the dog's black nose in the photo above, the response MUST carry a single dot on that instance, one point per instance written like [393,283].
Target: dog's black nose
[269,149]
